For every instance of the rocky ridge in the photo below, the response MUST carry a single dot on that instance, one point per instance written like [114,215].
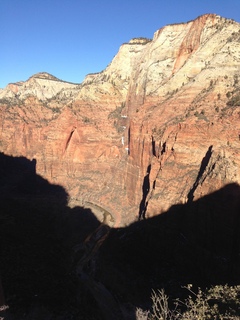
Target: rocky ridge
[159,126]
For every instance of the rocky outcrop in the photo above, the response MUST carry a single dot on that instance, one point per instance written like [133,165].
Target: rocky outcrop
[159,126]
[42,85]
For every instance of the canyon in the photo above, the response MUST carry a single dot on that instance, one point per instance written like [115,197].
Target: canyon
[126,183]
[159,126]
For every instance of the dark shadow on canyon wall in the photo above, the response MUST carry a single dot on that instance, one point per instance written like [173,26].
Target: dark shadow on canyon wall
[37,234]
[197,243]
[203,167]
[145,191]
[62,263]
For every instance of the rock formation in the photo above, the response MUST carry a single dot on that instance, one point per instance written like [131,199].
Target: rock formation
[159,126]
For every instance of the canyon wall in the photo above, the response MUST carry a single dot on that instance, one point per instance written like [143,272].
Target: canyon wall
[159,126]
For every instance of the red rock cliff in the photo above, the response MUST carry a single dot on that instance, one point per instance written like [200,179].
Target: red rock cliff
[159,126]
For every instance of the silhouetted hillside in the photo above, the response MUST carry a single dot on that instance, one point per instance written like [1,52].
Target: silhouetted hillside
[62,263]
[37,233]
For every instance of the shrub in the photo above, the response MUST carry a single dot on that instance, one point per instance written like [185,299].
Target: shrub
[160,307]
[86,119]
[234,101]
[116,114]
[219,302]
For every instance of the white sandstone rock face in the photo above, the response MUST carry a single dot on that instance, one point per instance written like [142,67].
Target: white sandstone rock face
[41,85]
[122,67]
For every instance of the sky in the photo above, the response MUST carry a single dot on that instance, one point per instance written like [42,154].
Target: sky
[71,38]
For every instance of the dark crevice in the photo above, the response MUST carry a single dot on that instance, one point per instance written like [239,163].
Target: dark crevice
[154,184]
[154,147]
[176,137]
[129,135]
[145,191]
[204,164]
[163,148]
[69,139]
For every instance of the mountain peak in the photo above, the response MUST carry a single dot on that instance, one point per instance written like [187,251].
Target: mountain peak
[44,75]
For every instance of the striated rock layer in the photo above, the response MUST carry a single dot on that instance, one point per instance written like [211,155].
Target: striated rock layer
[159,126]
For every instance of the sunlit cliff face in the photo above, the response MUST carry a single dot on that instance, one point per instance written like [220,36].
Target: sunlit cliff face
[166,109]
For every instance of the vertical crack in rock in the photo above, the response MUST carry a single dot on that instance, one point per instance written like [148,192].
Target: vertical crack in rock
[163,148]
[155,181]
[129,136]
[145,191]
[153,147]
[162,152]
[69,139]
[204,164]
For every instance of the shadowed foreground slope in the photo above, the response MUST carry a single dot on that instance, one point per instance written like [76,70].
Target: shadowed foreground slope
[62,263]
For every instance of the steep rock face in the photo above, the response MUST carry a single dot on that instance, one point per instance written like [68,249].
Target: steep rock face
[158,126]
[180,103]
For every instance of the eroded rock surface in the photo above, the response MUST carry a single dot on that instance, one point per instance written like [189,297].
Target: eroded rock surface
[159,126]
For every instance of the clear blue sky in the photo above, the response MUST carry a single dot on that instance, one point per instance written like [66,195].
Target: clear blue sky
[71,38]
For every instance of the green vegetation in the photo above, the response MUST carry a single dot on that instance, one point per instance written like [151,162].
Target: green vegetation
[11,101]
[56,110]
[234,96]
[201,115]
[140,40]
[235,36]
[116,114]
[86,120]
[234,100]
